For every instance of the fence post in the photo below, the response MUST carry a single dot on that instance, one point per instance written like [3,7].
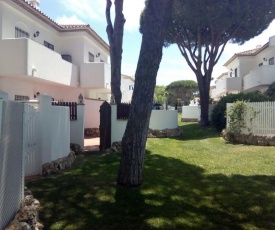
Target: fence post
[44,127]
[77,127]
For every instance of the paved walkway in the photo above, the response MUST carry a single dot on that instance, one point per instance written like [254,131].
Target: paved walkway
[91,144]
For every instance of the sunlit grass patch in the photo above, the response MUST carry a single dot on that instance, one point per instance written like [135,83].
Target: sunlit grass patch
[197,181]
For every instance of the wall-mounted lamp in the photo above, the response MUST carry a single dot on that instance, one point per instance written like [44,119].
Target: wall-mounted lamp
[36,95]
[264,59]
[36,34]
[97,55]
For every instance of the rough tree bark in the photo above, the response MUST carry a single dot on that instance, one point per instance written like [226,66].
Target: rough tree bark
[115,37]
[155,17]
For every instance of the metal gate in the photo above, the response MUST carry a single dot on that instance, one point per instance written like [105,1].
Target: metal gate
[32,158]
[105,126]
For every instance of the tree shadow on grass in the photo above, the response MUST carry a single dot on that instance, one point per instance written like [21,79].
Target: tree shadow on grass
[174,195]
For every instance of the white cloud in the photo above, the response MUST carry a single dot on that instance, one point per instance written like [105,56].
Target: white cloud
[132,10]
[72,20]
[95,11]
[85,9]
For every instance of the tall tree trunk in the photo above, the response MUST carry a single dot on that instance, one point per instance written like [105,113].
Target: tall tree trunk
[204,86]
[155,15]
[115,37]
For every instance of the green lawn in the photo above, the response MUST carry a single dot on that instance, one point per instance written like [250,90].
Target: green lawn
[197,181]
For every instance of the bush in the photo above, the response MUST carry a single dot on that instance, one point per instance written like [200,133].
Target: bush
[218,119]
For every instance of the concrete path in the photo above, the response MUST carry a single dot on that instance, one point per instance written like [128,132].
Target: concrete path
[91,144]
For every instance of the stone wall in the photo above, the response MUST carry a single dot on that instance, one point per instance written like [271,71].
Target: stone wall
[27,217]
[164,133]
[189,119]
[59,164]
[249,139]
[116,146]
[91,132]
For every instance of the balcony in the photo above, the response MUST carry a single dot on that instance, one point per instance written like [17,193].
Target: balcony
[95,75]
[22,57]
[228,85]
[257,78]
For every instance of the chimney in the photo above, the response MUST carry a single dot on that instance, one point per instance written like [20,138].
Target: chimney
[35,3]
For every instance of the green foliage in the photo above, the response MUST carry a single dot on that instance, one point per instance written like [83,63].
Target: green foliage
[234,20]
[270,93]
[181,92]
[236,115]
[218,119]
[160,94]
[201,30]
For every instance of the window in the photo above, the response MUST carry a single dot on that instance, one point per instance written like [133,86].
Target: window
[271,61]
[131,87]
[236,72]
[231,74]
[21,98]
[49,45]
[91,57]
[19,33]
[67,57]
[261,64]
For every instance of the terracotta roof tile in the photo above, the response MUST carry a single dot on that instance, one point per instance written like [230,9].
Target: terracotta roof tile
[252,52]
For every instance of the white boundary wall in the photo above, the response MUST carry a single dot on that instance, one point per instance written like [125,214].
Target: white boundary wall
[53,130]
[194,112]
[77,127]
[11,161]
[159,120]
[190,112]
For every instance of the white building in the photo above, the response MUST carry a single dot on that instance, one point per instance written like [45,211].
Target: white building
[39,56]
[127,87]
[248,71]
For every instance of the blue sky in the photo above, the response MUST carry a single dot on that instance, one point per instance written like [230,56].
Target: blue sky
[172,67]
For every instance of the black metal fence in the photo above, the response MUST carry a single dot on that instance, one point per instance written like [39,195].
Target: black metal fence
[123,111]
[71,105]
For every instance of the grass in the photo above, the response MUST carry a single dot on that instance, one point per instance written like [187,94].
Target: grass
[197,181]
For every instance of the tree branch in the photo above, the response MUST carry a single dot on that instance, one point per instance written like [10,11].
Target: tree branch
[109,28]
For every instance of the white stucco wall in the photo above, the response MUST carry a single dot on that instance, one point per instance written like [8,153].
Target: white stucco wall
[95,75]
[77,127]
[53,129]
[92,115]
[125,90]
[159,120]
[190,112]
[20,86]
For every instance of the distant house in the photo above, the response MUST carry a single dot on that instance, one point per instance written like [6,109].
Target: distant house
[39,56]
[127,87]
[251,70]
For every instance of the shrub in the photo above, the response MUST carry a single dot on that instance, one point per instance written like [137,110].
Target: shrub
[218,119]
[270,92]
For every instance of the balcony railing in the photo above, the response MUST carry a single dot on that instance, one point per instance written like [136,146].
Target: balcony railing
[228,85]
[95,75]
[263,75]
[25,57]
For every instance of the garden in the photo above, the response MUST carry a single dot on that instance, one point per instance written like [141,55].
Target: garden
[196,181]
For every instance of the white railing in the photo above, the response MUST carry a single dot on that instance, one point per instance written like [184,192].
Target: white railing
[263,123]
[263,75]
[11,161]
[32,133]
